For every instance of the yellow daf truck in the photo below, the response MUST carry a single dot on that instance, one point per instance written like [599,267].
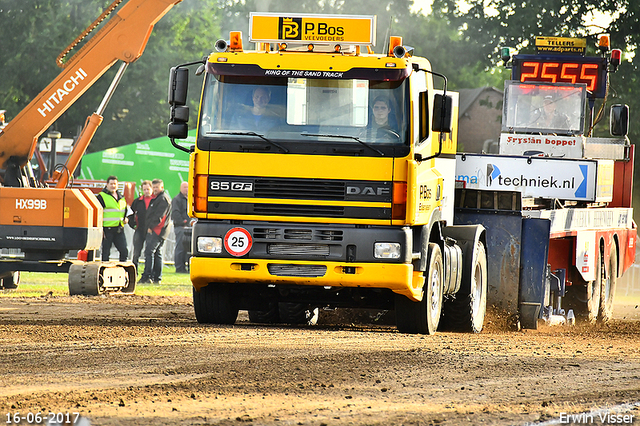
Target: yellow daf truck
[323,176]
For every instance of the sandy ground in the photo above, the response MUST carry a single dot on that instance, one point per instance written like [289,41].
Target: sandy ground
[138,360]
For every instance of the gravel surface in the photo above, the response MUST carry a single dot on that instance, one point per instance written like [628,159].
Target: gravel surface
[122,360]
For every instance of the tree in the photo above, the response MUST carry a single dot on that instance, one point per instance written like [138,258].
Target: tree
[489,25]
[36,31]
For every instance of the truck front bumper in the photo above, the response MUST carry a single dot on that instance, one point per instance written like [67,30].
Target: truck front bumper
[399,278]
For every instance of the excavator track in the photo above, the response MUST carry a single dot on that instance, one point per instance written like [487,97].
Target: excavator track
[96,278]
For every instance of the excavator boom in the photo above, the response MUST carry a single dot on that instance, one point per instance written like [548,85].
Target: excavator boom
[46,223]
[123,37]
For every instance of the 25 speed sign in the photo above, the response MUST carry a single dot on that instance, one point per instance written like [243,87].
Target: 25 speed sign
[238,241]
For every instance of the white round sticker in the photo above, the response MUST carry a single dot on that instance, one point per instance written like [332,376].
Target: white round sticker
[238,241]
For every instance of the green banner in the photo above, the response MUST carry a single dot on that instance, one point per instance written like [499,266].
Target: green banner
[152,159]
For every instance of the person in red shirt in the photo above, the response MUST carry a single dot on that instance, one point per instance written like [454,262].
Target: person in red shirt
[156,224]
[137,219]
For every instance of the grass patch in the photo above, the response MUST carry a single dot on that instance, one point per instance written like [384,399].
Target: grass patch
[37,284]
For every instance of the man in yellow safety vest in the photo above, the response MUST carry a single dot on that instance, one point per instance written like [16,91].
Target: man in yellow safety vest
[114,217]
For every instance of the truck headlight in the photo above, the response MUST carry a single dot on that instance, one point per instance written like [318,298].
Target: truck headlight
[387,250]
[209,244]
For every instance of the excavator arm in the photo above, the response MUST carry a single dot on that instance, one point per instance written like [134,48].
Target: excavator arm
[46,223]
[123,37]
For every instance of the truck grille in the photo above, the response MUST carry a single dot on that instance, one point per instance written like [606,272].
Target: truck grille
[292,270]
[297,210]
[297,234]
[298,249]
[303,189]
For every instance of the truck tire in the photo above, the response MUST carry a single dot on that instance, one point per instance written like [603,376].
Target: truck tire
[584,297]
[609,282]
[593,292]
[297,313]
[215,304]
[270,315]
[10,281]
[467,310]
[423,317]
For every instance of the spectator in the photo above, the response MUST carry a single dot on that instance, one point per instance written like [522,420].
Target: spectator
[180,220]
[114,217]
[156,223]
[137,219]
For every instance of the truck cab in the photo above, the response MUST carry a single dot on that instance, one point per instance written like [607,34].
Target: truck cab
[323,176]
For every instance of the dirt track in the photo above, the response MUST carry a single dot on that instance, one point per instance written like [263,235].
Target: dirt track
[137,360]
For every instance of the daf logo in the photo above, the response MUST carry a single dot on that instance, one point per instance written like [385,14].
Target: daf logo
[367,190]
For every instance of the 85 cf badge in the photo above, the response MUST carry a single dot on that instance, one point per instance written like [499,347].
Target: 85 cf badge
[238,241]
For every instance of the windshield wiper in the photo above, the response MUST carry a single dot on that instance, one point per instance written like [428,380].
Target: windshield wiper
[277,145]
[355,138]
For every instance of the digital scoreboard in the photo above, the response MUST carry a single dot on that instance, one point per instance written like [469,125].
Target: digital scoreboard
[563,69]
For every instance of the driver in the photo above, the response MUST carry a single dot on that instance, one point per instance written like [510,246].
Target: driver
[551,118]
[259,116]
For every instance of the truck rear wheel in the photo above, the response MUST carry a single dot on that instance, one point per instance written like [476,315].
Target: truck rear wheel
[593,292]
[10,281]
[297,313]
[423,317]
[270,315]
[467,310]
[609,280]
[215,304]
[584,297]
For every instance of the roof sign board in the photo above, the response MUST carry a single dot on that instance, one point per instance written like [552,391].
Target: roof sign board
[308,28]
[564,45]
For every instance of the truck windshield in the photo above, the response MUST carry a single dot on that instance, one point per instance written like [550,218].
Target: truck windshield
[303,112]
[546,108]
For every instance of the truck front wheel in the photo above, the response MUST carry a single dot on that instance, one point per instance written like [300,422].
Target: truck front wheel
[423,317]
[215,304]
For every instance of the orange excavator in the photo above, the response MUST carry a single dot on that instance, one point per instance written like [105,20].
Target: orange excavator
[41,224]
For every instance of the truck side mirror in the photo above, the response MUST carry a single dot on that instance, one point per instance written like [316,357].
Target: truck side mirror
[619,120]
[178,128]
[178,86]
[442,113]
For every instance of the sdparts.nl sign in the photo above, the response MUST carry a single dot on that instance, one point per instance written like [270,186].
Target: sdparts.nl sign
[534,177]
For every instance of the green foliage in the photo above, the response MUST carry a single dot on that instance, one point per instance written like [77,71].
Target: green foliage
[487,26]
[36,31]
[461,43]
